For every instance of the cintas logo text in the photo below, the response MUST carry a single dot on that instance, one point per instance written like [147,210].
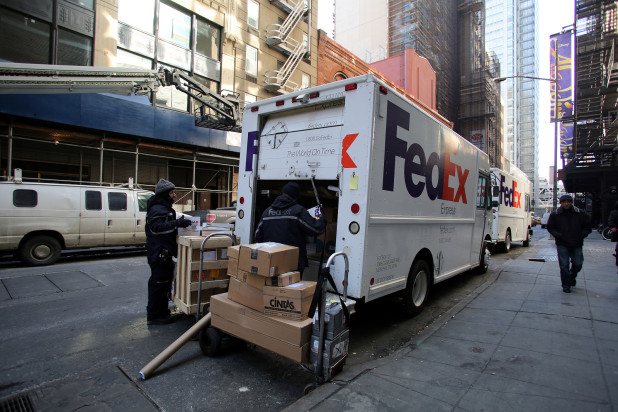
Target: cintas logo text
[282,304]
[418,167]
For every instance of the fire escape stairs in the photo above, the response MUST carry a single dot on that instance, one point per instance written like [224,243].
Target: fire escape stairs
[278,37]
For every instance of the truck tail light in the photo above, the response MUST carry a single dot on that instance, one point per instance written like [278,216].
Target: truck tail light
[355,208]
[351,86]
[383,90]
[255,108]
[241,214]
[313,95]
[242,200]
[279,103]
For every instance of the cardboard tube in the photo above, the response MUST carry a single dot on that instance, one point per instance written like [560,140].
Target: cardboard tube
[173,348]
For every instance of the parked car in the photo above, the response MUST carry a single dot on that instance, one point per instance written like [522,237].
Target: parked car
[536,220]
[545,219]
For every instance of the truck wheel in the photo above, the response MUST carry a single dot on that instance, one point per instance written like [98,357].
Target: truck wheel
[506,246]
[210,341]
[484,261]
[40,250]
[527,241]
[417,288]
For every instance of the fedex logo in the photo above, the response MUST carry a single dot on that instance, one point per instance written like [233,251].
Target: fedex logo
[418,164]
[509,197]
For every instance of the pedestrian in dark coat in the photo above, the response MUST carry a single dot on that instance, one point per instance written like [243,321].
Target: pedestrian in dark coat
[569,226]
[612,222]
[287,222]
[161,230]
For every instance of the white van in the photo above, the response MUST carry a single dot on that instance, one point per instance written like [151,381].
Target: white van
[511,206]
[38,220]
[410,199]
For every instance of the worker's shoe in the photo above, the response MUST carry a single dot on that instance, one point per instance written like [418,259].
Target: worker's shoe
[566,289]
[162,320]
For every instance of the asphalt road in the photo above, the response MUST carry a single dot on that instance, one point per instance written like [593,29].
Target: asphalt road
[80,324]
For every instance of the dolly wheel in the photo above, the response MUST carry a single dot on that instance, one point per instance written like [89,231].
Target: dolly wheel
[210,341]
[310,387]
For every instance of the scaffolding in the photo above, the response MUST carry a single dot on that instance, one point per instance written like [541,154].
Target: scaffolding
[480,110]
[593,167]
[430,28]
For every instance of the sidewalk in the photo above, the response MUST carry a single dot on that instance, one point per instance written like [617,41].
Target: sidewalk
[517,343]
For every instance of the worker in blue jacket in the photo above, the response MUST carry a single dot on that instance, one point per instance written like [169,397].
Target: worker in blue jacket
[287,222]
[161,230]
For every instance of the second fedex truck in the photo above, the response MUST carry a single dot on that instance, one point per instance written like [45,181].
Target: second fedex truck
[407,200]
[511,207]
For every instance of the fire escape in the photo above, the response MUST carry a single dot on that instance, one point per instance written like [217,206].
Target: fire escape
[593,168]
[278,37]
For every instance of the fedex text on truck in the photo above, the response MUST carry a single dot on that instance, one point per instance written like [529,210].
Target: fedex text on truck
[509,197]
[418,164]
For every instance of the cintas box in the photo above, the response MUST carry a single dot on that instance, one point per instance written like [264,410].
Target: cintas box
[267,259]
[290,302]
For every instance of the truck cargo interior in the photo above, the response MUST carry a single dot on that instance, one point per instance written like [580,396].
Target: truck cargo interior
[268,190]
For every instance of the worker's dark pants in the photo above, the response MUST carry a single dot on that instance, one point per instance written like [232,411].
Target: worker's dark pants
[570,260]
[159,288]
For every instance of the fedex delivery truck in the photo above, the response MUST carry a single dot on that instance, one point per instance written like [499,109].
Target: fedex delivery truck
[511,208]
[406,198]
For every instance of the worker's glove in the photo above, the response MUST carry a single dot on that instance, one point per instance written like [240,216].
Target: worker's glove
[182,222]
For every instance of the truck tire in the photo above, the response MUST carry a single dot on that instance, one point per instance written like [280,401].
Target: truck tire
[417,288]
[505,246]
[40,250]
[527,241]
[484,261]
[210,341]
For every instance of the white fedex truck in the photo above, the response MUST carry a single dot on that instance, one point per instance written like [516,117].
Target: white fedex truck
[511,207]
[410,199]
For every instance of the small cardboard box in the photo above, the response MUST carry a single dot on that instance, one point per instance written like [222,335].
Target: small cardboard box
[232,267]
[256,281]
[268,259]
[233,252]
[283,280]
[245,294]
[294,332]
[290,302]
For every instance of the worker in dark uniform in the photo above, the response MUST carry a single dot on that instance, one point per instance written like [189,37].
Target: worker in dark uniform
[161,231]
[287,222]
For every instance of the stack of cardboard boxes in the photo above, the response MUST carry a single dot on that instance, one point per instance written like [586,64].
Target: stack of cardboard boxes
[266,303]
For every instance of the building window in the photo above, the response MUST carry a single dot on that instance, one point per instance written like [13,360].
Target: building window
[24,39]
[88,4]
[253,13]
[249,98]
[137,13]
[172,98]
[306,81]
[251,64]
[207,39]
[174,26]
[74,49]
[132,60]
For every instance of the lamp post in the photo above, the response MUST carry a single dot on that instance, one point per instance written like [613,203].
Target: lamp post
[555,82]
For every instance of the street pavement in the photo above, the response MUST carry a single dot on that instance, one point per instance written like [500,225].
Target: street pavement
[74,336]
[517,343]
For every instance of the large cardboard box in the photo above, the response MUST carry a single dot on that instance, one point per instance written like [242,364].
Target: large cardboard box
[245,294]
[232,267]
[257,281]
[290,302]
[294,332]
[233,252]
[268,259]
[298,354]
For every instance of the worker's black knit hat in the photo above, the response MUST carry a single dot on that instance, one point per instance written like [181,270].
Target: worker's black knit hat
[292,189]
[164,186]
[566,197]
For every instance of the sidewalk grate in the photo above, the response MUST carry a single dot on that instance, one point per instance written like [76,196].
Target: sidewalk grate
[544,258]
[19,403]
